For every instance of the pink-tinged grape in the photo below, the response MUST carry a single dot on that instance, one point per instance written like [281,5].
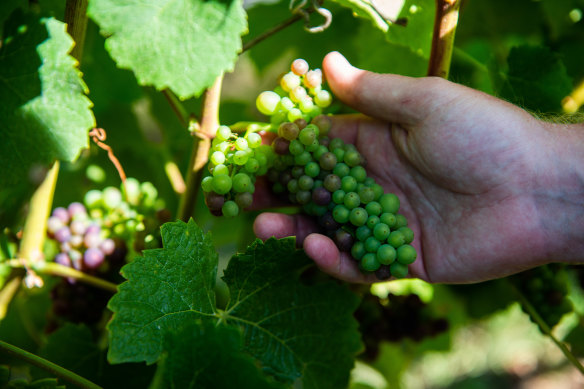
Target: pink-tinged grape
[297,94]
[223,133]
[241,182]
[63,234]
[220,170]
[358,216]
[299,66]
[398,270]
[400,221]
[358,250]
[62,214]
[372,221]
[76,209]
[381,232]
[372,244]
[254,140]
[93,258]
[313,78]
[92,240]
[53,224]
[207,184]
[244,200]
[406,254]
[217,158]
[321,196]
[289,81]
[408,234]
[343,240]
[396,239]
[386,254]
[76,258]
[267,102]
[294,114]
[63,259]
[389,203]
[362,233]
[323,99]
[369,262]
[222,184]
[240,157]
[230,209]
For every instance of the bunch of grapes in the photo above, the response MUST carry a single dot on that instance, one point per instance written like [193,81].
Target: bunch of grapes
[235,161]
[299,96]
[546,289]
[325,176]
[395,318]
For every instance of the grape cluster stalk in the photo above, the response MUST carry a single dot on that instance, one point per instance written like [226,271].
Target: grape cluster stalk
[323,175]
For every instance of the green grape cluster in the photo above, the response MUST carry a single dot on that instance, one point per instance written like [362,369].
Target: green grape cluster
[299,96]
[234,163]
[546,288]
[325,176]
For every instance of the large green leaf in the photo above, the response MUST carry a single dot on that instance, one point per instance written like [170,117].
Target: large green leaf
[44,115]
[293,331]
[178,44]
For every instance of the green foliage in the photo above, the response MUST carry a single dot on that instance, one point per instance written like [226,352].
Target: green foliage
[172,43]
[171,288]
[20,383]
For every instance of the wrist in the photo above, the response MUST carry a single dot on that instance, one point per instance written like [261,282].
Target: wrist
[558,191]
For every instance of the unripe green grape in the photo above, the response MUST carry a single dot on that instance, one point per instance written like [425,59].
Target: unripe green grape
[336,143]
[252,165]
[358,216]
[267,102]
[373,208]
[207,184]
[303,197]
[388,218]
[400,221]
[369,181]
[323,99]
[396,239]
[314,91]
[240,157]
[328,161]
[381,232]
[369,262]
[358,250]
[358,173]
[332,182]
[220,170]
[372,221]
[362,233]
[313,147]
[341,170]
[223,133]
[294,114]
[222,147]
[386,254]
[312,169]
[296,147]
[132,190]
[306,105]
[406,254]
[339,196]
[278,117]
[352,158]
[317,154]
[230,209]
[372,244]
[319,210]
[93,198]
[286,104]
[241,144]
[221,184]
[305,182]
[241,183]
[217,157]
[341,214]
[348,184]
[339,153]
[303,158]
[297,94]
[377,191]
[389,203]
[289,81]
[254,140]
[293,186]
[351,200]
[323,122]
[307,135]
[408,234]
[367,195]
[112,197]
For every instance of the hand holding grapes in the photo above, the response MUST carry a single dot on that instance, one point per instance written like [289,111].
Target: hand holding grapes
[481,181]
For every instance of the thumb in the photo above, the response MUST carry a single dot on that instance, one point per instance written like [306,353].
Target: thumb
[383,96]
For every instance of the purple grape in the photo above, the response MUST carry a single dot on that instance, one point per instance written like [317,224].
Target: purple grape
[214,200]
[93,258]
[108,246]
[327,222]
[76,258]
[63,259]
[93,228]
[76,208]
[321,196]
[63,234]
[343,240]
[281,145]
[62,214]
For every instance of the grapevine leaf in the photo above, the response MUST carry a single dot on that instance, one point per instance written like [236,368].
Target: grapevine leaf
[206,356]
[166,288]
[178,44]
[536,79]
[294,330]
[45,115]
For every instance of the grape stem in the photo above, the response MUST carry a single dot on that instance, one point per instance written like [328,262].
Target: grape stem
[55,269]
[443,37]
[277,28]
[178,109]
[201,146]
[546,329]
[35,360]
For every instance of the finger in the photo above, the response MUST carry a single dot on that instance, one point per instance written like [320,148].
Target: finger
[327,257]
[277,225]
[385,96]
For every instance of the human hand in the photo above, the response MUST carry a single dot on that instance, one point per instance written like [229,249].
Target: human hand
[464,165]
